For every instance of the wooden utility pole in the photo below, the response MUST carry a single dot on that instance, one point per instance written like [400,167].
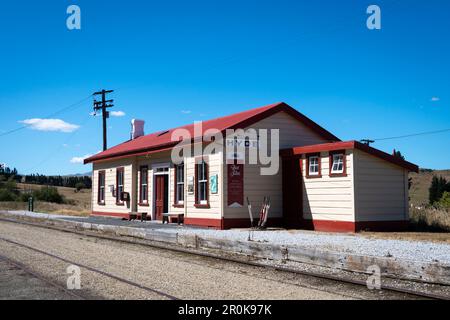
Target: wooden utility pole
[367,141]
[102,105]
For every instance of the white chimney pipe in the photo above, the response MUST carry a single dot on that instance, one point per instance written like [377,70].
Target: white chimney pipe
[137,128]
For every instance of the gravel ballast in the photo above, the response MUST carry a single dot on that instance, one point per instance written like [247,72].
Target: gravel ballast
[422,251]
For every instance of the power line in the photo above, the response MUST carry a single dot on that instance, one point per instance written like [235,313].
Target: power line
[72,106]
[414,135]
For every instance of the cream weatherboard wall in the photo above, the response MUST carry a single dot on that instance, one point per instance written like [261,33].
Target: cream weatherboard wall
[329,198]
[132,171]
[381,189]
[256,186]
[110,168]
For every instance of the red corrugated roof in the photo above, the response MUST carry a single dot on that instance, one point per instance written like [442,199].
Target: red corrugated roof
[162,139]
[345,145]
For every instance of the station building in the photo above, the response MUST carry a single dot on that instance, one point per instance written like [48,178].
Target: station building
[322,183]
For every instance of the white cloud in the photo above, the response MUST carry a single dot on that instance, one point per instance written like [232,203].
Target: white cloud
[79,160]
[117,113]
[434,99]
[50,125]
[186,111]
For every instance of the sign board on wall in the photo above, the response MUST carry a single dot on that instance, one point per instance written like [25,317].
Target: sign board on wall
[235,185]
[213,184]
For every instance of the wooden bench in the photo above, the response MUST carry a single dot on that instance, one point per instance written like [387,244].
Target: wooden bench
[143,216]
[168,218]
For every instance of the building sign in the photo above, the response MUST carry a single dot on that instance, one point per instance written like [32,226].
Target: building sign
[235,185]
[213,184]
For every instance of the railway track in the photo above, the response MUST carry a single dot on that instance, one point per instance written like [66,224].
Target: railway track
[51,283]
[103,273]
[338,279]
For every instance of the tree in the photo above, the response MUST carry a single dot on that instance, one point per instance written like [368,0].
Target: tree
[398,154]
[437,189]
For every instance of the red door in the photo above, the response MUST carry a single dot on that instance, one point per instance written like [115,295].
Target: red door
[159,196]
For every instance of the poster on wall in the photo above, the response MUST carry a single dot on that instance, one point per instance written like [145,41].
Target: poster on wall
[235,185]
[213,184]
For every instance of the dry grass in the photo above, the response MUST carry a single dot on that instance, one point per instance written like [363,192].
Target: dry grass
[430,219]
[80,202]
[427,224]
[47,207]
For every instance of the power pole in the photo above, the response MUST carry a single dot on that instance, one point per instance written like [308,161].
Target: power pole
[367,141]
[102,105]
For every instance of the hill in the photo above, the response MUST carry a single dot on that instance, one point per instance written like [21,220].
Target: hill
[421,183]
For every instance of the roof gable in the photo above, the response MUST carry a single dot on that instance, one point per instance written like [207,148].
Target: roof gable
[163,139]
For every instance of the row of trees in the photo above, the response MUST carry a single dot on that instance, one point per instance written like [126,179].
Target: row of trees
[58,181]
[439,192]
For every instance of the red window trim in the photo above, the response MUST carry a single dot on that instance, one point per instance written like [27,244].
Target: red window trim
[118,201]
[197,204]
[344,164]
[141,203]
[175,181]
[99,202]
[319,175]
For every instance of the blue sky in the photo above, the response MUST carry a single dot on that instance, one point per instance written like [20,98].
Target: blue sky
[173,62]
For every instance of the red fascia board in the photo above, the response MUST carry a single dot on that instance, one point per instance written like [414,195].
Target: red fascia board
[335,146]
[124,155]
[279,107]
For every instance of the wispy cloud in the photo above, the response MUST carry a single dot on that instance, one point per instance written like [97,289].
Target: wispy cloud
[79,160]
[435,99]
[117,113]
[50,125]
[186,111]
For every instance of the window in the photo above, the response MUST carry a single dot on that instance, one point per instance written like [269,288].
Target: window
[179,185]
[143,186]
[101,187]
[120,177]
[201,177]
[313,166]
[338,166]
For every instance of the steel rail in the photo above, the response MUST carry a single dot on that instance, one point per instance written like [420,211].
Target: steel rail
[38,276]
[120,279]
[239,261]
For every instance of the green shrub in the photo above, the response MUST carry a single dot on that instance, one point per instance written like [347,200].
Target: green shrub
[48,194]
[444,202]
[7,195]
[79,186]
[25,196]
